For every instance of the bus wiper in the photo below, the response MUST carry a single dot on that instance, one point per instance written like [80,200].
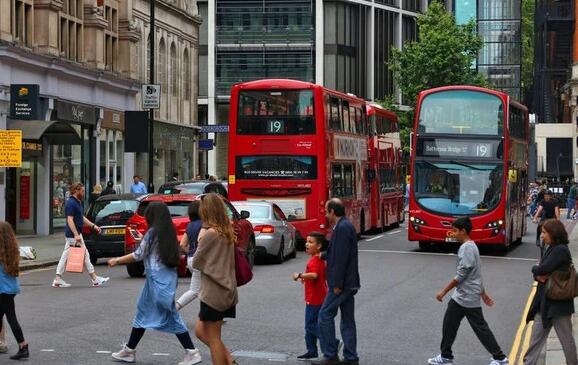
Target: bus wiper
[466,165]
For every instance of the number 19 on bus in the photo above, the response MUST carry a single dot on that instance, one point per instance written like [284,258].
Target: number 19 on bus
[276,127]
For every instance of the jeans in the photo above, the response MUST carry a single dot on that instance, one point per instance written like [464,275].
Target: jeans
[62,263]
[345,302]
[311,327]
[570,203]
[452,319]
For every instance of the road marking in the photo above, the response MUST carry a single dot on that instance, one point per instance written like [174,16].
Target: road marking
[395,232]
[373,238]
[104,352]
[161,354]
[527,339]
[47,350]
[446,254]
[521,326]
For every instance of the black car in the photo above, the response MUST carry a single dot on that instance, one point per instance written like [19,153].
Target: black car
[193,187]
[110,213]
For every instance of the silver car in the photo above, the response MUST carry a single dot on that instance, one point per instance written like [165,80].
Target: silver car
[273,234]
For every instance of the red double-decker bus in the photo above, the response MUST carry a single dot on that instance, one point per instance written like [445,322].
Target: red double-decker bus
[469,158]
[297,144]
[385,159]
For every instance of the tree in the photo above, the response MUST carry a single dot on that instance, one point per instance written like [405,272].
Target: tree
[444,55]
[528,13]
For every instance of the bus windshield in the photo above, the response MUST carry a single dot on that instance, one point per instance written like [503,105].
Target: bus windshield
[276,112]
[458,188]
[461,112]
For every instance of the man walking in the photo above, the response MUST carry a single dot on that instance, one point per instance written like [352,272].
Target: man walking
[571,201]
[138,187]
[342,284]
[75,220]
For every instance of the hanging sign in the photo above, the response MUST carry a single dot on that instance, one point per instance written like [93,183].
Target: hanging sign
[24,101]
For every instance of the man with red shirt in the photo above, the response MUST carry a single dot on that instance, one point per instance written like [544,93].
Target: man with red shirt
[315,290]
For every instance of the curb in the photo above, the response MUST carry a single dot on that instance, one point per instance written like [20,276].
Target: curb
[32,265]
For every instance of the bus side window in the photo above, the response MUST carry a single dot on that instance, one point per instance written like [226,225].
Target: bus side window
[352,120]
[345,114]
[335,118]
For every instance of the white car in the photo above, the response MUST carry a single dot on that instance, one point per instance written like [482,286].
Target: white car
[274,235]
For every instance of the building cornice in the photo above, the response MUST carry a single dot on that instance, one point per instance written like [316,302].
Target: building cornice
[195,18]
[48,4]
[144,17]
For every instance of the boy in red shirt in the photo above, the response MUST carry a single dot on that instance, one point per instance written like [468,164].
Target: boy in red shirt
[315,290]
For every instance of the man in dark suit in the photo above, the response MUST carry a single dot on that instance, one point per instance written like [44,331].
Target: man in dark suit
[343,284]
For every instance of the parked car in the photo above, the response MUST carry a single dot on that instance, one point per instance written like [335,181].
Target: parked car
[274,235]
[178,205]
[111,213]
[193,187]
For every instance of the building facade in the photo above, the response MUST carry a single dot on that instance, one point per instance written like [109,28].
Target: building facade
[343,45]
[84,61]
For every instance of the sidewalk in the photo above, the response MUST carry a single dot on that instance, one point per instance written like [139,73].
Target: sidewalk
[48,250]
[554,354]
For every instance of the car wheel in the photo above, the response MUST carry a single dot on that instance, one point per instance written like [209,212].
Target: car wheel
[281,254]
[293,253]
[135,270]
[93,257]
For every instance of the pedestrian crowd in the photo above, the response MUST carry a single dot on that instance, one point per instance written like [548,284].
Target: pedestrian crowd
[331,281]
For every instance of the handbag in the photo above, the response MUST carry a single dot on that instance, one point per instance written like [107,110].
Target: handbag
[243,271]
[75,261]
[562,285]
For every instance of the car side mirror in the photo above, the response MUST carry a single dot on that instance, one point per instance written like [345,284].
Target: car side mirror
[245,214]
[291,218]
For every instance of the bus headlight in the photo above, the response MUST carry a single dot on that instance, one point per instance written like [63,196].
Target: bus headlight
[416,220]
[495,224]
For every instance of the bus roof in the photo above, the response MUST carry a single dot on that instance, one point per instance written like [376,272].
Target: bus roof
[378,109]
[497,93]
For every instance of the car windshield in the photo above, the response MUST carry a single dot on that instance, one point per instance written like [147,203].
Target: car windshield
[255,211]
[461,112]
[458,188]
[112,212]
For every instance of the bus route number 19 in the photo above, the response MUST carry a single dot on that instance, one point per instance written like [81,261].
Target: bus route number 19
[482,150]
[276,127]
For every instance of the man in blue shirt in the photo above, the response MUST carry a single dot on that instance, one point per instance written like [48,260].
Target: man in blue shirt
[75,220]
[342,284]
[138,187]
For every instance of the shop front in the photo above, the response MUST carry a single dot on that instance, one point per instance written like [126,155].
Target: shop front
[111,150]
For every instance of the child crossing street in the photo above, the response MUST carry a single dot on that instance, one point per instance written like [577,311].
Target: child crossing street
[315,290]
[466,300]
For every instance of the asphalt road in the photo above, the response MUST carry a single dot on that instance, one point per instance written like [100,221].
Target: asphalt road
[399,321]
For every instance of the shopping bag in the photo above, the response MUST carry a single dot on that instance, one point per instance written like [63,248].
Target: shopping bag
[27,253]
[75,262]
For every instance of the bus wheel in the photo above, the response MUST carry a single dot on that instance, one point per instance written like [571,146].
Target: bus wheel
[425,245]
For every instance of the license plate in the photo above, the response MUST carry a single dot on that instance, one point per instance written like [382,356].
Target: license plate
[451,239]
[111,231]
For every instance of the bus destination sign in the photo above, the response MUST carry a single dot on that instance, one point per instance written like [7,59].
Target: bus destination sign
[453,148]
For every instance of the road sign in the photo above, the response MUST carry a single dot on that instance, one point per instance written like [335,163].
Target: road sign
[215,128]
[151,96]
[206,144]
[10,148]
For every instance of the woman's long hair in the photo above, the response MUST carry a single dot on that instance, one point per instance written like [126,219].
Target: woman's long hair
[159,219]
[9,252]
[556,230]
[214,214]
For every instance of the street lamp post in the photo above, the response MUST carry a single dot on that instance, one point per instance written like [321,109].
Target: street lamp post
[151,186]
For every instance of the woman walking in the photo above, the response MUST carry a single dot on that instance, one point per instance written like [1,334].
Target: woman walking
[189,245]
[545,312]
[9,286]
[156,306]
[215,259]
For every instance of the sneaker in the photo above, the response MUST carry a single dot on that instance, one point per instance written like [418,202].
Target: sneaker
[307,356]
[126,355]
[100,281]
[3,348]
[500,362]
[440,360]
[191,357]
[59,283]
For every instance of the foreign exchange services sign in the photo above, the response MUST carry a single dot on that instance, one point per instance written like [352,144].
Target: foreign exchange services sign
[10,148]
[24,101]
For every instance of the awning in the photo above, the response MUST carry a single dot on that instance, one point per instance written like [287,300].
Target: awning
[55,132]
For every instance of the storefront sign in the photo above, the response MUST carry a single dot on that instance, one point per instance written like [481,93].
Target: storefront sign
[24,101]
[151,96]
[24,197]
[113,120]
[349,148]
[206,144]
[32,148]
[214,129]
[10,148]
[75,113]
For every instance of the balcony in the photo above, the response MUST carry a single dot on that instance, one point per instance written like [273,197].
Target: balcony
[270,35]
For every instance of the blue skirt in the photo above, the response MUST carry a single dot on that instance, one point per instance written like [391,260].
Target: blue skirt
[156,306]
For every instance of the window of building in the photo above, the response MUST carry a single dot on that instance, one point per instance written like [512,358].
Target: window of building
[162,66]
[71,30]
[111,158]
[187,75]
[21,15]
[174,71]
[111,38]
[147,60]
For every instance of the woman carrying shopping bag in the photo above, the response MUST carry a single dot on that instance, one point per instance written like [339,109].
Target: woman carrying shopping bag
[156,306]
[545,312]
[215,259]
[9,286]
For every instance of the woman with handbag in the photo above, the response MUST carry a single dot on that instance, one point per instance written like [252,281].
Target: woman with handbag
[156,307]
[546,312]
[215,259]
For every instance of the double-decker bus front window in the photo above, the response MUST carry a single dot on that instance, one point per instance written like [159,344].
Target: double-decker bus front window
[276,167]
[458,188]
[461,112]
[276,112]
